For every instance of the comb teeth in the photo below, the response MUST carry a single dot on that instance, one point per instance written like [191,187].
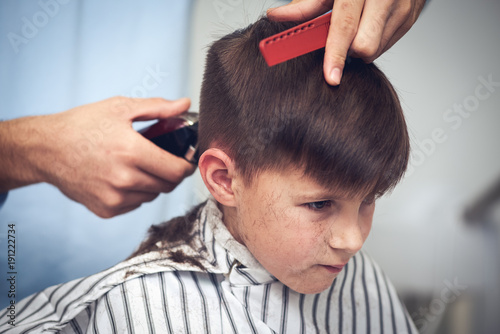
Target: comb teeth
[297,41]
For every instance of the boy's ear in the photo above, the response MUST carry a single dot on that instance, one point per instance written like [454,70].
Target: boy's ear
[217,171]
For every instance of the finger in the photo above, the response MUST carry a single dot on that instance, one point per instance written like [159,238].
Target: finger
[137,109]
[153,184]
[120,211]
[138,180]
[343,27]
[299,10]
[135,199]
[164,165]
[113,211]
[156,108]
[373,24]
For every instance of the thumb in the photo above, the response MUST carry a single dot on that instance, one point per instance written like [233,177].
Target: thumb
[157,108]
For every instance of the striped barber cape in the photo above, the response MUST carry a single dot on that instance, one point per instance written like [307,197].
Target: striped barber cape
[210,284]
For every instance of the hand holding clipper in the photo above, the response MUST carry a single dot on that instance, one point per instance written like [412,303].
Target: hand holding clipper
[177,135]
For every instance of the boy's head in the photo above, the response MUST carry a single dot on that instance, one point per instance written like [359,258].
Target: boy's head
[296,163]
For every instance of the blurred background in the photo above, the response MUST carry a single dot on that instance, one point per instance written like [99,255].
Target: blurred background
[437,236]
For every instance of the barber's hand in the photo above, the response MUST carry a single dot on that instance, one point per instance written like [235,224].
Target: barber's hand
[94,156]
[360,28]
[109,167]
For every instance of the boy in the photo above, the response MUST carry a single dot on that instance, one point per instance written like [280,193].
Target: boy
[294,167]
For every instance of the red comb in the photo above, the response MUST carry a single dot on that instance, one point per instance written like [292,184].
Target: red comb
[297,41]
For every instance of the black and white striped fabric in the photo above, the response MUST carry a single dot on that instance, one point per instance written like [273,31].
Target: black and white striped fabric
[229,293]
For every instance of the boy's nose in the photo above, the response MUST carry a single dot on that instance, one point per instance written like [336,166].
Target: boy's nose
[346,234]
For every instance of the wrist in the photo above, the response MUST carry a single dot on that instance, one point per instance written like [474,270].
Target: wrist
[20,140]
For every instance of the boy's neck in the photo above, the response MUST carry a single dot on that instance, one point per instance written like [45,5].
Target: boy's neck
[230,220]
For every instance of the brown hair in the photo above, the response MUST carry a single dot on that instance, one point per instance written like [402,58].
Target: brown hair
[352,136]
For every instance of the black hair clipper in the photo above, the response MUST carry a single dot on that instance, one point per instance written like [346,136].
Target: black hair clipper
[177,135]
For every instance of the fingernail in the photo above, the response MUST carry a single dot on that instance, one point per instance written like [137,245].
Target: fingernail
[335,76]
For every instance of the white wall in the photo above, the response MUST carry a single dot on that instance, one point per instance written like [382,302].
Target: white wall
[420,236]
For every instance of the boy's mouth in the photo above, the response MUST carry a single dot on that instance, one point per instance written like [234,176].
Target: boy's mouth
[334,269]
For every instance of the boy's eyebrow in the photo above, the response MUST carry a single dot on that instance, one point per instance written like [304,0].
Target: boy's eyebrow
[335,195]
[321,195]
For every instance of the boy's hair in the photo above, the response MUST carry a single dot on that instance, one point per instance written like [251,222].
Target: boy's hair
[352,137]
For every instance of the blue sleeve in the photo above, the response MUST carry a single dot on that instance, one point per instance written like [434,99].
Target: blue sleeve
[3,197]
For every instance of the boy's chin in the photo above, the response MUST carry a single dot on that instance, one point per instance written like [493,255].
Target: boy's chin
[310,289]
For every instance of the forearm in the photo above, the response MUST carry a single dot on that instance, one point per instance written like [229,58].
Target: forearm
[20,147]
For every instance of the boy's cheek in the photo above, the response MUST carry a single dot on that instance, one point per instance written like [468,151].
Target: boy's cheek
[366,228]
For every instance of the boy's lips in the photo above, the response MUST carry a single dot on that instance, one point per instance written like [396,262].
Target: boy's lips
[335,269]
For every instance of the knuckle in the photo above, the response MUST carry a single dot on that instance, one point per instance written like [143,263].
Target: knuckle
[178,172]
[169,188]
[388,4]
[404,9]
[151,198]
[364,47]
[377,24]
[178,175]
[346,6]
[347,24]
[129,149]
[104,212]
[119,100]
[347,18]
[367,41]
[123,180]
[338,58]
[158,100]
[121,104]
[112,201]
[125,153]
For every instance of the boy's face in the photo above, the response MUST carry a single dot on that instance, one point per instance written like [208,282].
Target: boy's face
[299,231]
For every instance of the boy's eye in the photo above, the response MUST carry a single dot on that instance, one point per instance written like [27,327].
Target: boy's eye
[320,205]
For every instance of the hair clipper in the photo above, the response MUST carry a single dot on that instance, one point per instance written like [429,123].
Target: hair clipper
[177,135]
